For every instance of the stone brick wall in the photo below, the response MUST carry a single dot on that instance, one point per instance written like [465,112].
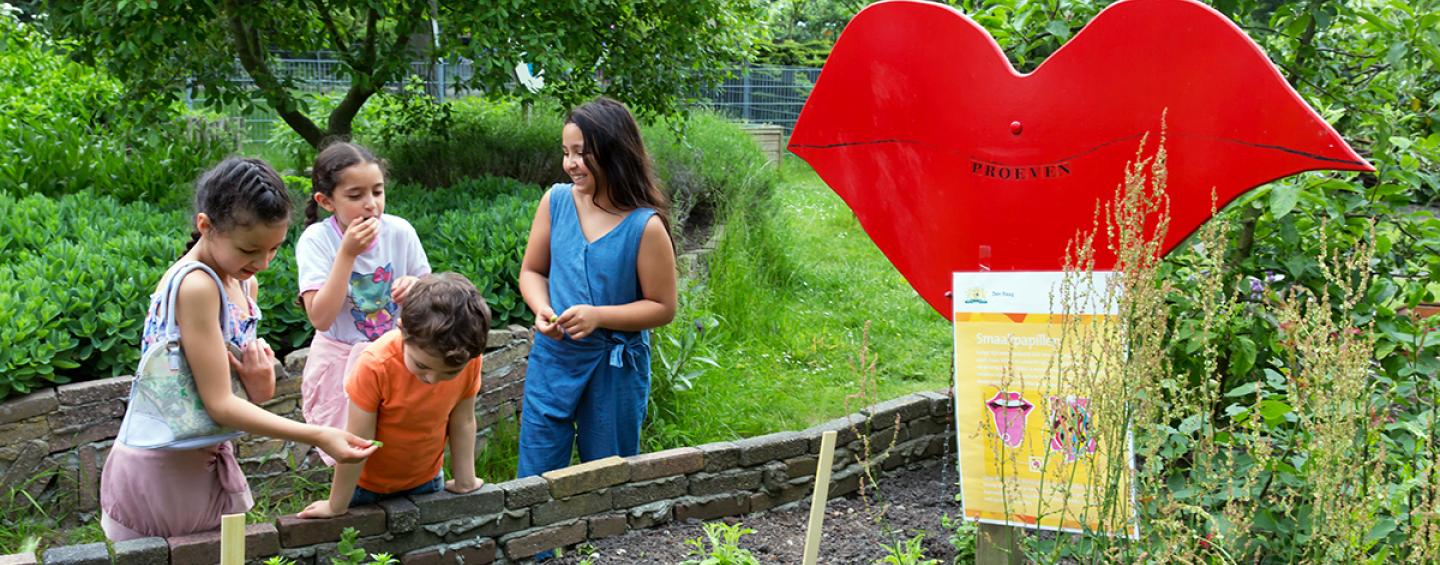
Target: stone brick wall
[514,520]
[53,442]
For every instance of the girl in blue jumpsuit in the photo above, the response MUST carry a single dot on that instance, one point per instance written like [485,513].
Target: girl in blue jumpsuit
[599,273]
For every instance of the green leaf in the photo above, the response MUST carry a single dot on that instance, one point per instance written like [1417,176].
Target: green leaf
[1283,198]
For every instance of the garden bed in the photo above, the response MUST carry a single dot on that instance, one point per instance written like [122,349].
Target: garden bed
[910,502]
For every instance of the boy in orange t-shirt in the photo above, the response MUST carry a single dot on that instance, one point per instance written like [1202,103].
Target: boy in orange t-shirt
[413,389]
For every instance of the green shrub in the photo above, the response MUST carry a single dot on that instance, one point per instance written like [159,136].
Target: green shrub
[701,161]
[81,268]
[65,128]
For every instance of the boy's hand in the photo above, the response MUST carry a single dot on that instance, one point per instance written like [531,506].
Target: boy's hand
[401,288]
[545,324]
[359,235]
[460,485]
[320,509]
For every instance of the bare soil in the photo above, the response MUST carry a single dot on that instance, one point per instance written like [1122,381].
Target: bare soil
[908,502]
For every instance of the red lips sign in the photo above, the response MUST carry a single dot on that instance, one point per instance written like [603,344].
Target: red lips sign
[953,161]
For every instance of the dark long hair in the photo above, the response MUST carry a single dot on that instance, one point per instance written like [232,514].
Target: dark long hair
[240,192]
[335,158]
[615,155]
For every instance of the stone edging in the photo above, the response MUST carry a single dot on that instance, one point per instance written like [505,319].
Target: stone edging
[512,521]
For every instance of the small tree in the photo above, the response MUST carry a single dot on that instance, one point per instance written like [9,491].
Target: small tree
[652,54]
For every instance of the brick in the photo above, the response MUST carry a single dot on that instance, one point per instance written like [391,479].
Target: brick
[653,514]
[282,406]
[762,501]
[497,338]
[204,547]
[844,429]
[488,525]
[401,515]
[496,377]
[74,418]
[88,554]
[24,430]
[143,551]
[295,362]
[772,447]
[570,508]
[587,477]
[92,392]
[882,440]
[927,427]
[501,394]
[908,407]
[258,446]
[713,507]
[671,462]
[481,551]
[502,412]
[941,403]
[28,456]
[803,466]
[720,456]
[105,430]
[443,506]
[636,494]
[706,484]
[845,482]
[297,532]
[18,559]
[505,357]
[938,446]
[528,491]
[87,480]
[288,387]
[609,525]
[28,406]
[527,544]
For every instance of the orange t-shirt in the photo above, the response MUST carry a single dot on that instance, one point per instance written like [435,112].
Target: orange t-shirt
[411,417]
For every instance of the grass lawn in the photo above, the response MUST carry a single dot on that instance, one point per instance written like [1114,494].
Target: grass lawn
[795,283]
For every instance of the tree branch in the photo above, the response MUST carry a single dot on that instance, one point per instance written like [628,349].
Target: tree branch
[252,57]
[369,74]
[337,37]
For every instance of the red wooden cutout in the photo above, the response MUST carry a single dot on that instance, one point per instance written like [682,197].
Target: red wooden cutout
[953,161]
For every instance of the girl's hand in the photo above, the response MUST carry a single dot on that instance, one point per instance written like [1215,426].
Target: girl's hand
[359,235]
[401,288]
[320,509]
[344,446]
[463,485]
[579,321]
[545,324]
[256,367]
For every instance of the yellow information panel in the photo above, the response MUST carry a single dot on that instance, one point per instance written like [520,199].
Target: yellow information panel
[1029,451]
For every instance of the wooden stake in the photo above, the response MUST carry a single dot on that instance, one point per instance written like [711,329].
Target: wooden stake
[822,494]
[997,545]
[232,539]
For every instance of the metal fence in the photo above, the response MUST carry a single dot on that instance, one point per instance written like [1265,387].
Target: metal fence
[764,94]
[756,94]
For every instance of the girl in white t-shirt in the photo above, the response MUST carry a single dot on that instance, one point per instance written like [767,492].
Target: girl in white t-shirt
[355,268]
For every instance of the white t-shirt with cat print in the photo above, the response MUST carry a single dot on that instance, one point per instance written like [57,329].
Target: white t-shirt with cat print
[368,311]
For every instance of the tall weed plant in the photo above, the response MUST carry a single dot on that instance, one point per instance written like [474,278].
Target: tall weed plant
[1310,458]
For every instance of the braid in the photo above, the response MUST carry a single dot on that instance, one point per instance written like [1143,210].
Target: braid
[241,191]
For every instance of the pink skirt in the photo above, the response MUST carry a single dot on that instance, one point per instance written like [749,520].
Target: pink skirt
[322,392]
[159,492]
